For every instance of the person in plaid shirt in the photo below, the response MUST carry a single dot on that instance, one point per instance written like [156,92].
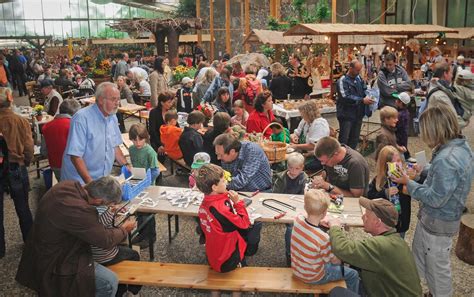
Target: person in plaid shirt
[247,163]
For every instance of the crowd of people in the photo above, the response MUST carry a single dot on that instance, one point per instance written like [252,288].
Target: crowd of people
[82,145]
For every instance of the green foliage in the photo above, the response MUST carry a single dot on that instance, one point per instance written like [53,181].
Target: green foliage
[111,33]
[268,51]
[322,11]
[274,25]
[186,8]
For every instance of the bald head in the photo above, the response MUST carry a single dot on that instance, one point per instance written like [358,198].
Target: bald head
[354,68]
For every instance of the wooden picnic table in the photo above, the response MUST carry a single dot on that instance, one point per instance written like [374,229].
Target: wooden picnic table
[351,215]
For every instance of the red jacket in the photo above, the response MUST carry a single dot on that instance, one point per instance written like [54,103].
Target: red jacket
[257,121]
[55,135]
[221,223]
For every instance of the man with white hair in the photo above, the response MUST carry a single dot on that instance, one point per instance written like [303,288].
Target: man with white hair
[94,138]
[458,66]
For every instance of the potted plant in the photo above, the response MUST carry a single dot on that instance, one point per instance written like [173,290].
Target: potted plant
[38,112]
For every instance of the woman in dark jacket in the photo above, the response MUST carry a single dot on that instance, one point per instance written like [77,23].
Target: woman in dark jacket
[157,119]
[280,85]
[221,124]
[222,102]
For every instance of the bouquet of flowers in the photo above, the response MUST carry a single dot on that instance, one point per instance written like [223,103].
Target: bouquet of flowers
[207,109]
[182,71]
[105,65]
[38,110]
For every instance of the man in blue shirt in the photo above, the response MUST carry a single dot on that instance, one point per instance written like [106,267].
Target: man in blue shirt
[351,105]
[94,138]
[247,163]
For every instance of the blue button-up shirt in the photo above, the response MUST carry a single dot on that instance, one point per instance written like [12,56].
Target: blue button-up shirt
[251,170]
[93,137]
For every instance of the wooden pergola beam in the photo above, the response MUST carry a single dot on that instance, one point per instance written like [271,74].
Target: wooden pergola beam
[247,22]
[228,48]
[211,28]
[198,15]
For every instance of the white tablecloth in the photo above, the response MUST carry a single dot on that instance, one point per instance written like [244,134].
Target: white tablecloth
[278,110]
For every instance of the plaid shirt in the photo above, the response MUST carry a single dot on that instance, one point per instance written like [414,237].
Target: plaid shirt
[251,170]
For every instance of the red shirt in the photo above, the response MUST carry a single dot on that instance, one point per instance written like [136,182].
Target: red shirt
[258,121]
[220,222]
[55,135]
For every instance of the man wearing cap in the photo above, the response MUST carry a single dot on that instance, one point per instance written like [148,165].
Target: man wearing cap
[386,264]
[15,155]
[464,89]
[53,98]
[458,66]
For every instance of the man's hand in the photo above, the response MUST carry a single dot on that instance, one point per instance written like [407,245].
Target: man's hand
[335,260]
[319,183]
[402,149]
[367,100]
[329,221]
[130,224]
[233,196]
[402,180]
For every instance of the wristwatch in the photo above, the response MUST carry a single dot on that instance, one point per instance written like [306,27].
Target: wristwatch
[330,188]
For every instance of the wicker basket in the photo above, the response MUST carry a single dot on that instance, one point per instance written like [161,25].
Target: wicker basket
[275,150]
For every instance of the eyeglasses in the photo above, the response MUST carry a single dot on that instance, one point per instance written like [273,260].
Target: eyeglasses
[328,160]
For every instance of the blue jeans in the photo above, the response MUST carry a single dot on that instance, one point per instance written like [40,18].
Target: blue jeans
[18,183]
[106,282]
[333,272]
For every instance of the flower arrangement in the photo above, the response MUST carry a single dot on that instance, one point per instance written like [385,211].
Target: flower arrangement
[97,72]
[38,110]
[207,109]
[182,71]
[105,65]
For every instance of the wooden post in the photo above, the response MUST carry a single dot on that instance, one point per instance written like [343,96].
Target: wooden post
[409,55]
[465,245]
[277,9]
[333,45]
[334,12]
[227,27]
[383,8]
[247,23]
[272,8]
[198,15]
[211,28]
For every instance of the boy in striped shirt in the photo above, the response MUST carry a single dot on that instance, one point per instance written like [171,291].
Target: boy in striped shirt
[311,258]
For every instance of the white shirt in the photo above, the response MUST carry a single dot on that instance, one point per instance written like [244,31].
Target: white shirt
[138,71]
[146,88]
[318,129]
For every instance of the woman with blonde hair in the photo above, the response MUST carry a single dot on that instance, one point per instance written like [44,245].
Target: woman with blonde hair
[202,84]
[382,187]
[280,85]
[311,128]
[442,195]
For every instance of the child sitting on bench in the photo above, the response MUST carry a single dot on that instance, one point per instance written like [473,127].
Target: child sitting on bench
[312,260]
[291,181]
[225,222]
[170,134]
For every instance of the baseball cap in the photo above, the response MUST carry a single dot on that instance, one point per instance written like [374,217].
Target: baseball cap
[200,159]
[465,74]
[186,80]
[382,208]
[46,83]
[404,97]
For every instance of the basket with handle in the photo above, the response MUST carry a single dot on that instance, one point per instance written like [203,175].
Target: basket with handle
[275,150]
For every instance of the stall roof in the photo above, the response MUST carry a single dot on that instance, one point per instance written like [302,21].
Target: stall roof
[189,38]
[277,38]
[365,29]
[464,33]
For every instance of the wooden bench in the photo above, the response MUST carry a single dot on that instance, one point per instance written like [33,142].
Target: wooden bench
[193,276]
[179,163]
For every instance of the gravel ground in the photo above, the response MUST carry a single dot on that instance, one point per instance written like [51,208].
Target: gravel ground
[185,247]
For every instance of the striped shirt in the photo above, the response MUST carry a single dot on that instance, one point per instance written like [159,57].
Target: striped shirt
[101,255]
[310,250]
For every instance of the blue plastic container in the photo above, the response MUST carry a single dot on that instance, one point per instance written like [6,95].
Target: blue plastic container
[128,191]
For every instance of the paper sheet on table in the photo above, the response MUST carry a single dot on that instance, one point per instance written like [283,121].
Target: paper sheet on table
[421,159]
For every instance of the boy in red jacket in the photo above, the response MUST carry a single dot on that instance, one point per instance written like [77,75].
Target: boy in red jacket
[224,222]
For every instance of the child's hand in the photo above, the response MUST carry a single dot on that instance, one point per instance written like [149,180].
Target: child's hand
[335,260]
[392,191]
[161,150]
[233,196]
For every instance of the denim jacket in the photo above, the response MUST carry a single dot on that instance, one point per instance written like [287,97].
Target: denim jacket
[443,194]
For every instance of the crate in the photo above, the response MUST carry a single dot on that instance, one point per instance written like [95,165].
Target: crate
[128,191]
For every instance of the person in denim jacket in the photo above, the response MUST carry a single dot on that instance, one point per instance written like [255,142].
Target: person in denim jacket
[442,196]
[351,105]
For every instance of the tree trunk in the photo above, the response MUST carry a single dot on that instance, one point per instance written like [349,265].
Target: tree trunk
[173,43]
[465,245]
[160,36]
